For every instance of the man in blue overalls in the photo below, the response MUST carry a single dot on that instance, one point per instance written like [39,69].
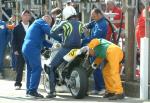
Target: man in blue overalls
[31,50]
[4,38]
[72,30]
[98,30]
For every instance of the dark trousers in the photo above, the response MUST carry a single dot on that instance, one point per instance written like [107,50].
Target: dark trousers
[20,62]
[57,60]
[13,60]
[98,77]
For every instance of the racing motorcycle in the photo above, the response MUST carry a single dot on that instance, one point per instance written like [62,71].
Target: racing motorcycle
[72,72]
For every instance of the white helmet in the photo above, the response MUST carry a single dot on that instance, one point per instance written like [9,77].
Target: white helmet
[68,11]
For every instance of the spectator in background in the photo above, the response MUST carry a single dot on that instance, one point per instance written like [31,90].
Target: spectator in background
[112,8]
[140,33]
[119,25]
[140,28]
[4,38]
[56,12]
[17,42]
[57,15]
[11,25]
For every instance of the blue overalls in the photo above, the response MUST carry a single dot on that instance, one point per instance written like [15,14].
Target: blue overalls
[98,30]
[4,38]
[31,50]
[72,30]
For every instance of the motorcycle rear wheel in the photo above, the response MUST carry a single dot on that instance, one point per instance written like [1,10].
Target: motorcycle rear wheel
[79,83]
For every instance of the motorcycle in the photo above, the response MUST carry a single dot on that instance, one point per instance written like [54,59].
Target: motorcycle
[72,72]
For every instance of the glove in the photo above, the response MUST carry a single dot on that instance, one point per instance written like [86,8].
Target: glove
[94,66]
[44,49]
[84,49]
[47,54]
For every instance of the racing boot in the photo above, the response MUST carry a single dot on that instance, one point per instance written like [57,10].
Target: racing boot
[52,84]
[51,95]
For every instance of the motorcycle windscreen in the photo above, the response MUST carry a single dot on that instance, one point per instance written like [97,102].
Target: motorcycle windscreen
[72,55]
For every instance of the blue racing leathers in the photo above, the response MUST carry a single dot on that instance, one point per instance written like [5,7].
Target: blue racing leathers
[31,50]
[71,30]
[4,38]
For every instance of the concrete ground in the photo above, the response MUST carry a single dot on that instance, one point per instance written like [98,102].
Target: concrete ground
[8,94]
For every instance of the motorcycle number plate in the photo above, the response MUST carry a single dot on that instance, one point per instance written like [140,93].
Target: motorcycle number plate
[71,55]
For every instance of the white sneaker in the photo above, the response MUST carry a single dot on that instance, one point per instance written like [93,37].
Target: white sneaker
[17,87]
[96,92]
[101,92]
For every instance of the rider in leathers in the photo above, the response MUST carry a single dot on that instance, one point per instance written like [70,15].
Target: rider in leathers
[71,29]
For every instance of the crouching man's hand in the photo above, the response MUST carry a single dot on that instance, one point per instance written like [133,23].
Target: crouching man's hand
[94,65]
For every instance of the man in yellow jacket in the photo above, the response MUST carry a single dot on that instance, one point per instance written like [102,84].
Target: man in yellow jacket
[113,55]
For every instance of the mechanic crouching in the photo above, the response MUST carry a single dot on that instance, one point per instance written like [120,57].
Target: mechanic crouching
[103,49]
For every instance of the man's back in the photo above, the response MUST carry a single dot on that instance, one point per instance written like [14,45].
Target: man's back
[36,32]
[73,39]
[72,30]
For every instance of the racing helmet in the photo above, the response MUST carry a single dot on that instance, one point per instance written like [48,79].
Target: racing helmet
[68,11]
